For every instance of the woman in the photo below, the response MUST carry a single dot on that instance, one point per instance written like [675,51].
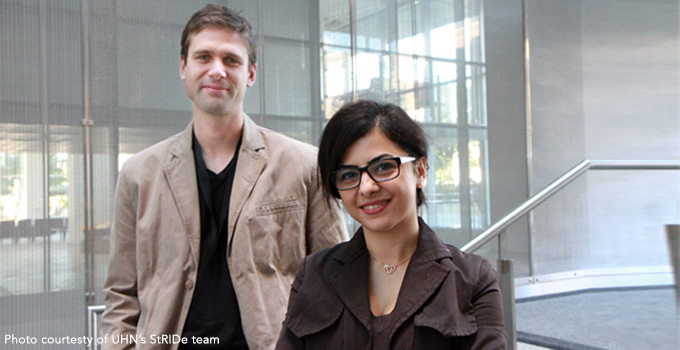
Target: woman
[395,284]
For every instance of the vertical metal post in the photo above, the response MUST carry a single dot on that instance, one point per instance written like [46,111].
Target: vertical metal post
[353,36]
[261,76]
[529,132]
[318,116]
[93,314]
[87,123]
[44,110]
[463,132]
[507,284]
[673,235]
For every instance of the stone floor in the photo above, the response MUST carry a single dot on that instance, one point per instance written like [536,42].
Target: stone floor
[620,319]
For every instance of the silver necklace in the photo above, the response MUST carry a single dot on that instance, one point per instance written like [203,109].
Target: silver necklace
[390,268]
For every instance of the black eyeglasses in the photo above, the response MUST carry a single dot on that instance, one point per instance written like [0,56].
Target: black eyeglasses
[380,170]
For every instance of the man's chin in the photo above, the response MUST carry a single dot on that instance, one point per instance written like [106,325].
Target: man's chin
[216,110]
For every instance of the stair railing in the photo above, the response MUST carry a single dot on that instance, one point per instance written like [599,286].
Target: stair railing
[505,267]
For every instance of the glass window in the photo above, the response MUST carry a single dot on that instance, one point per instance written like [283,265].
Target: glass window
[313,57]
[425,56]
[287,79]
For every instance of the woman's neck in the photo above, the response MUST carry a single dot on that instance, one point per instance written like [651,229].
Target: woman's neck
[392,247]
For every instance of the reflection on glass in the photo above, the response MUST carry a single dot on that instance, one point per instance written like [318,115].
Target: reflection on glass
[427,57]
[443,185]
[479,184]
[372,20]
[297,129]
[334,25]
[285,65]
[476,94]
[445,92]
[337,79]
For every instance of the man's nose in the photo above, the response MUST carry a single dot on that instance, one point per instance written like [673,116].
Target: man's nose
[217,70]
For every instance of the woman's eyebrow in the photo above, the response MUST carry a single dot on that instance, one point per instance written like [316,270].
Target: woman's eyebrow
[369,162]
[379,157]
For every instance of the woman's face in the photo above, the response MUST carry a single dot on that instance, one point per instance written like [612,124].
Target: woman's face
[383,206]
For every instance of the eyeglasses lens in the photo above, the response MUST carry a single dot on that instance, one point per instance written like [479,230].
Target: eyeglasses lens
[383,170]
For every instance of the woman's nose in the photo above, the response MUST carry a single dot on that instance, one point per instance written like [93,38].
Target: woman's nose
[367,185]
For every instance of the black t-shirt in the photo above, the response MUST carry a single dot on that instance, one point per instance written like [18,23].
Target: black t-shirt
[214,310]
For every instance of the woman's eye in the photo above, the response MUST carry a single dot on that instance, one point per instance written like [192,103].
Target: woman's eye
[348,175]
[384,166]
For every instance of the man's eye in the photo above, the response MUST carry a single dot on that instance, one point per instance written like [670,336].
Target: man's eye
[231,61]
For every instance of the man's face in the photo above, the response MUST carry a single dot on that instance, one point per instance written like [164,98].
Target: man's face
[216,72]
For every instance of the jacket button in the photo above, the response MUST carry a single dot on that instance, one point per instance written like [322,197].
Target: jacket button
[189,284]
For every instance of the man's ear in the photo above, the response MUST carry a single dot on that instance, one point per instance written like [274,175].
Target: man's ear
[182,67]
[251,75]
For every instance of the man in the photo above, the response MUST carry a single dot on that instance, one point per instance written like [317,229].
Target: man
[211,224]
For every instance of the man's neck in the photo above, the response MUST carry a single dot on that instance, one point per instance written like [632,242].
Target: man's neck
[218,137]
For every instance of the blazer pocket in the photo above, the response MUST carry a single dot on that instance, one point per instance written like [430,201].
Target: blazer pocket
[275,207]
[307,318]
[449,324]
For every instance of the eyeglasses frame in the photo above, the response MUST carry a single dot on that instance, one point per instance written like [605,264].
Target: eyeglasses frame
[400,161]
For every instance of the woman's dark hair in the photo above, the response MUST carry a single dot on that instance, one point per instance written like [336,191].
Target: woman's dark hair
[354,121]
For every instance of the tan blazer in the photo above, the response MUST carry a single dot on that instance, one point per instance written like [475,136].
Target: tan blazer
[277,215]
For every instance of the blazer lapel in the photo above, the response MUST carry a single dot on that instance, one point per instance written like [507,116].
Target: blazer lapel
[351,281]
[251,163]
[424,274]
[180,173]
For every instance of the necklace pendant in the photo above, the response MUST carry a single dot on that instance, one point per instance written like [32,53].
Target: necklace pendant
[389,269]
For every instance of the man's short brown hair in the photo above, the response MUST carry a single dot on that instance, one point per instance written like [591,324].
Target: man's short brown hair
[219,17]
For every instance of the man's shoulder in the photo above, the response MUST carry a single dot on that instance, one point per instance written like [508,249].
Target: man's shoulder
[280,145]
[152,156]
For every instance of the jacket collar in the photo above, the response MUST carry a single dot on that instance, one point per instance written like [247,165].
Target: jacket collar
[251,163]
[423,276]
[180,172]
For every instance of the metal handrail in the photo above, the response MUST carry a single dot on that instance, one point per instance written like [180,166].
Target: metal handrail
[93,325]
[499,227]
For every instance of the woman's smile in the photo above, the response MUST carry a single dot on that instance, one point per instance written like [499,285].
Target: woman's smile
[375,207]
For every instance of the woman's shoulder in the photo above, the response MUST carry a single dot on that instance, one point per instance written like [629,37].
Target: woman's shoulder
[321,258]
[470,264]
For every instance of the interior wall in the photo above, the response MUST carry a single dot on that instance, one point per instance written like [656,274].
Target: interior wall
[507,125]
[603,85]
[630,85]
[558,133]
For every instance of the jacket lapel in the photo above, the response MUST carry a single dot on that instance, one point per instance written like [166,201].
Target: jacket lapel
[251,163]
[424,274]
[180,173]
[351,281]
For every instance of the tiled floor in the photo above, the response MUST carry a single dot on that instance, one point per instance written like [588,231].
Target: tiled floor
[617,319]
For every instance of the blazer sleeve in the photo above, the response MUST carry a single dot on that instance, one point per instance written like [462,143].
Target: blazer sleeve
[325,221]
[487,306]
[122,305]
